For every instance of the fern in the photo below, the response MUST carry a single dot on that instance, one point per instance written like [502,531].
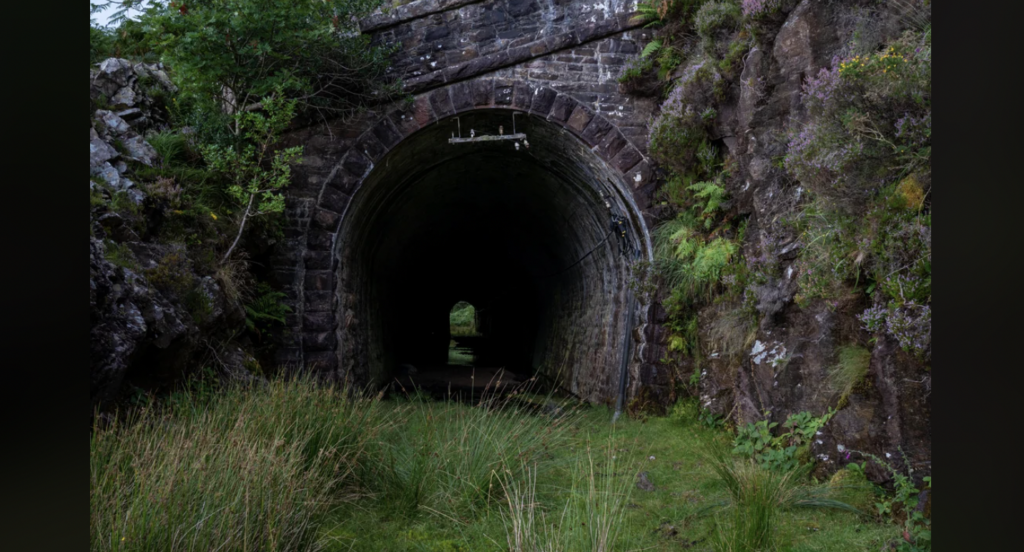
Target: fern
[689,263]
[709,260]
[650,12]
[266,309]
[651,48]
[712,196]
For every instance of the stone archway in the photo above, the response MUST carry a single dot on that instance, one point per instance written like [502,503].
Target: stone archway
[537,228]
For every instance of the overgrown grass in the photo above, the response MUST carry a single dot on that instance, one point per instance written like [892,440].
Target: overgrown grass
[759,498]
[451,460]
[248,469]
[592,514]
[290,466]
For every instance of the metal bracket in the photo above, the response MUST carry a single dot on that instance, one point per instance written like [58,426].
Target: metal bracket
[489,138]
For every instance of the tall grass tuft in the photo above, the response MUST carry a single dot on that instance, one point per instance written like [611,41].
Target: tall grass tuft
[851,369]
[758,498]
[591,518]
[246,469]
[449,459]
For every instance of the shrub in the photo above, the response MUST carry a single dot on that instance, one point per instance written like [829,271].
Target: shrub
[778,453]
[462,319]
[759,8]
[887,250]
[680,130]
[172,274]
[712,16]
[902,505]
[266,310]
[101,43]
[910,324]
[258,172]
[238,52]
[172,147]
[120,254]
[869,124]
[758,498]
[733,331]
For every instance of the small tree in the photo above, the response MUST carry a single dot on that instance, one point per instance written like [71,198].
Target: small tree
[257,172]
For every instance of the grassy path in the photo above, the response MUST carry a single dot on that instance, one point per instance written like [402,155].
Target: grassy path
[677,514]
[295,466]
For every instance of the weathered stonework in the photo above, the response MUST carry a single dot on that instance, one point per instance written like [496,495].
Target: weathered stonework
[551,62]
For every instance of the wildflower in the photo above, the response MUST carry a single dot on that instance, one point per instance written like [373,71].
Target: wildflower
[652,457]
[213,215]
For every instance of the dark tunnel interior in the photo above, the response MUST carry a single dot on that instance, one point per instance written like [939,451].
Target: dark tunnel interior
[523,234]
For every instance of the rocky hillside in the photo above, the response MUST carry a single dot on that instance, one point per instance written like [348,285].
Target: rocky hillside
[795,242]
[159,308]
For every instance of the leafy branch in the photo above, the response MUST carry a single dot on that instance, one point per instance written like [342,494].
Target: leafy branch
[257,171]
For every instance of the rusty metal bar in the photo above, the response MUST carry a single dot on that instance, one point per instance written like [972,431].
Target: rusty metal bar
[490,138]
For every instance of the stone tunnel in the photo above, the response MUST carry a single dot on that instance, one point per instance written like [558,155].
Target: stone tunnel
[390,223]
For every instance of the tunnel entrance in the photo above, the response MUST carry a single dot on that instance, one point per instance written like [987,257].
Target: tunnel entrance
[538,238]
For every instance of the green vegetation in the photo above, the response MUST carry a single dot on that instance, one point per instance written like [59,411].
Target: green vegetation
[233,54]
[697,252]
[120,254]
[865,155]
[296,466]
[902,506]
[238,469]
[667,51]
[266,310]
[462,319]
[778,452]
[714,16]
[849,372]
[245,71]
[258,173]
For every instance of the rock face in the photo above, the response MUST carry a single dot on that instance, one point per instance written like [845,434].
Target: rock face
[127,317]
[139,331]
[786,369]
[123,94]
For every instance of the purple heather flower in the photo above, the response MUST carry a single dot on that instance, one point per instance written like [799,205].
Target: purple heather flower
[758,7]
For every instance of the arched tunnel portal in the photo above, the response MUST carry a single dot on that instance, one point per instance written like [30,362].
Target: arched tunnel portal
[540,238]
